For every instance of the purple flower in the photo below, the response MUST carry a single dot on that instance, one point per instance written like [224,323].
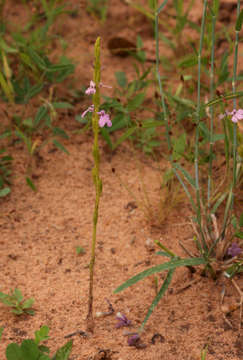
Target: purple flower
[104,119]
[91,89]
[234,250]
[236,115]
[133,340]
[90,108]
[122,320]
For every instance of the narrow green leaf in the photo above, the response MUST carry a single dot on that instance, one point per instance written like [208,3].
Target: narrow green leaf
[241,220]
[158,297]
[126,135]
[6,48]
[5,191]
[159,268]
[239,20]
[60,132]
[225,97]
[30,183]
[17,311]
[160,8]
[60,146]
[152,124]
[186,174]
[1,332]
[134,103]
[41,113]
[37,59]
[62,105]
[218,202]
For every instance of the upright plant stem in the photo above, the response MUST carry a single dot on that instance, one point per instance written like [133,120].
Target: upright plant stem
[199,220]
[212,91]
[167,132]
[230,200]
[234,101]
[96,179]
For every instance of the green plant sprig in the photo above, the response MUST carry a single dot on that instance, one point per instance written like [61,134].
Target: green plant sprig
[17,303]
[96,179]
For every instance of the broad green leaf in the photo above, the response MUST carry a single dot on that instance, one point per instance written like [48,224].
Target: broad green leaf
[30,350]
[64,352]
[60,146]
[18,295]
[5,191]
[28,303]
[134,103]
[13,352]
[121,79]
[126,135]
[179,145]
[159,268]
[62,105]
[158,297]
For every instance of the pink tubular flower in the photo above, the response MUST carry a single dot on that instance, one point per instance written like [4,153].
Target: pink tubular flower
[237,115]
[104,119]
[90,109]
[91,89]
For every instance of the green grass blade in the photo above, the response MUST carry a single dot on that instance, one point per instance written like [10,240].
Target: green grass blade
[158,297]
[173,264]
[186,174]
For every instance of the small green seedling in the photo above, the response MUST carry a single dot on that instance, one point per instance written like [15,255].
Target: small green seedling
[16,302]
[31,350]
[80,250]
